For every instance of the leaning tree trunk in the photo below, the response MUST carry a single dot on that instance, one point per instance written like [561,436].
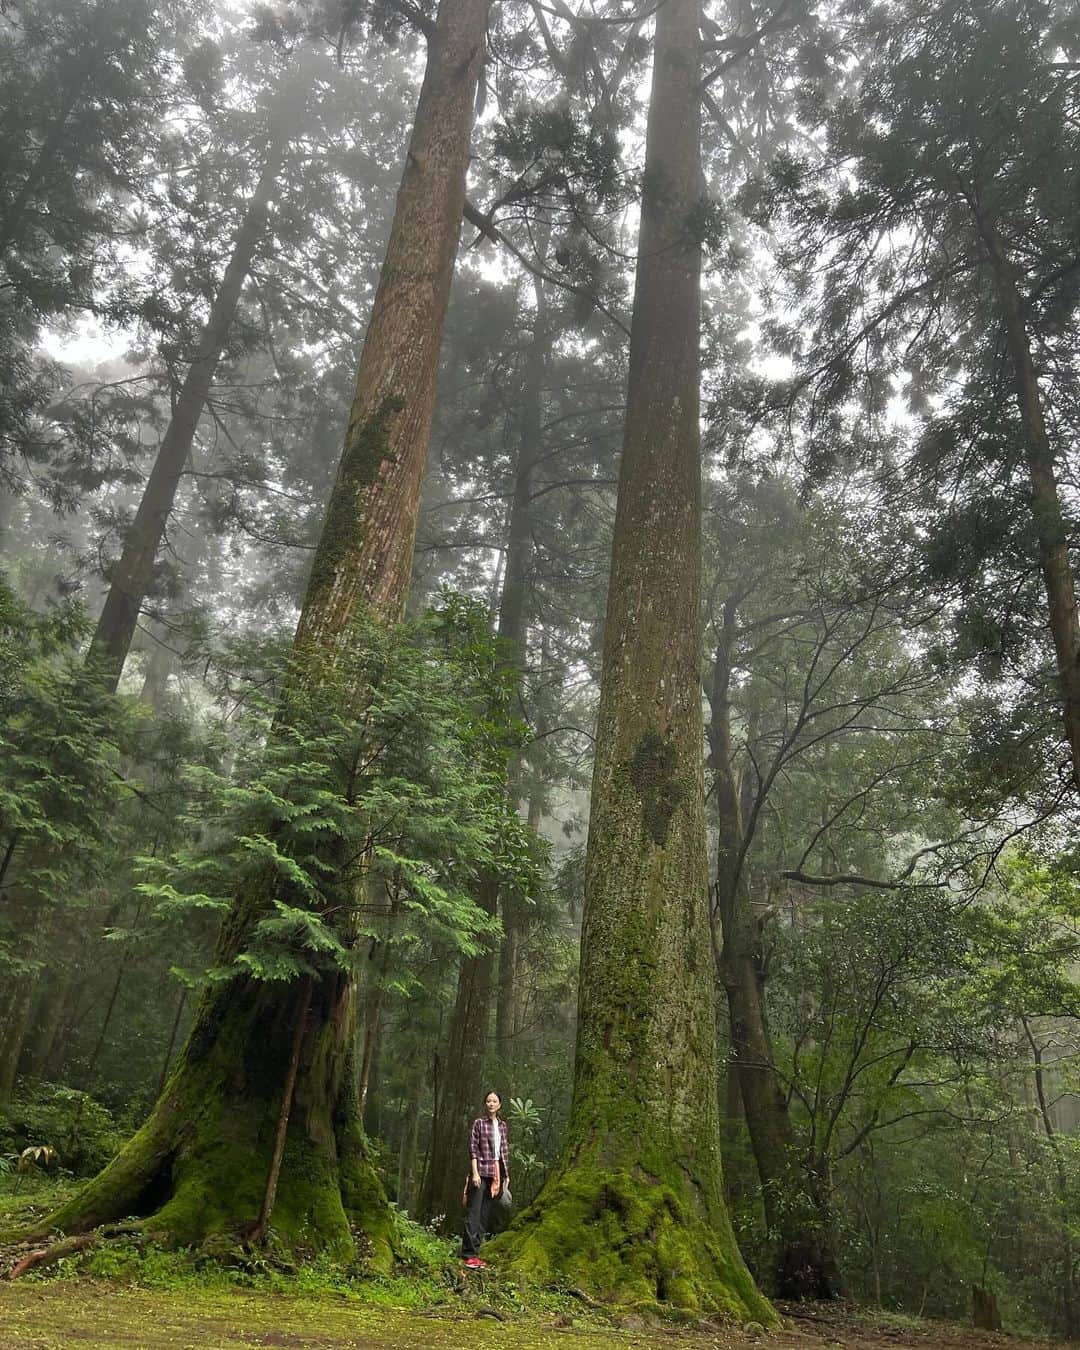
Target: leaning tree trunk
[468,1049]
[635,1210]
[796,1212]
[1050,527]
[133,574]
[206,1160]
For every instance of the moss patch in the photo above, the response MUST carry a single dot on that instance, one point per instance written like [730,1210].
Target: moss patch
[629,1239]
[367,448]
[107,1316]
[652,772]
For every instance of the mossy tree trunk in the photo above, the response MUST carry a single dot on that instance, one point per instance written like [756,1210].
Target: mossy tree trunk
[796,1208]
[470,1036]
[201,1163]
[635,1212]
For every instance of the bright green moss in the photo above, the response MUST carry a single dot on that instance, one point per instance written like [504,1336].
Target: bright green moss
[625,1239]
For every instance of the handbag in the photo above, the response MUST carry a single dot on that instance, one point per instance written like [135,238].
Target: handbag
[504,1199]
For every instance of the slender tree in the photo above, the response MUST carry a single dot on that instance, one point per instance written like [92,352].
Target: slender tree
[796,1209]
[131,578]
[636,1208]
[470,1039]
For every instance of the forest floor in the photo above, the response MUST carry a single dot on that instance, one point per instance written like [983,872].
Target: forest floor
[94,1314]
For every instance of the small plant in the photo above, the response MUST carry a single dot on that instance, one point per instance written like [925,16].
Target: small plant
[37,1157]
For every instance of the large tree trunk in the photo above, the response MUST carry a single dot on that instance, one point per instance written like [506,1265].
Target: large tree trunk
[470,1026]
[635,1211]
[202,1163]
[796,1213]
[133,574]
[1050,527]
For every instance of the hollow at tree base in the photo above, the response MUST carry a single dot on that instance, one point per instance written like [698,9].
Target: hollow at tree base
[625,1239]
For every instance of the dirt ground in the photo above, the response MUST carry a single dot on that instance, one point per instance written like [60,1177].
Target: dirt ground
[96,1315]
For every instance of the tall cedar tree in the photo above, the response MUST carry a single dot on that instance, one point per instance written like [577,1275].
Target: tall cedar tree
[261,1108]
[635,1211]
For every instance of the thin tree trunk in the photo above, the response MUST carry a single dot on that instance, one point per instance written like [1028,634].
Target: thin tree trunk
[133,574]
[1047,515]
[287,1096]
[156,679]
[17,1027]
[200,1162]
[467,1052]
[642,1155]
[507,989]
[48,1016]
[407,1160]
[513,611]
[470,1027]
[1070,1319]
[173,1032]
[796,1214]
[369,1054]
[9,853]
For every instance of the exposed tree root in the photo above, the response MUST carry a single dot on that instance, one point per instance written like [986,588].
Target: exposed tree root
[47,1256]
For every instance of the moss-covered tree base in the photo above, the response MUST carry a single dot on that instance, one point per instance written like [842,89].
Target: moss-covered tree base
[197,1170]
[628,1239]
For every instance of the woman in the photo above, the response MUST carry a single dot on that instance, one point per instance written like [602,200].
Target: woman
[489,1172]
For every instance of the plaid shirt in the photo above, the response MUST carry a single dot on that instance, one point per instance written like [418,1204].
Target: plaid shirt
[481,1149]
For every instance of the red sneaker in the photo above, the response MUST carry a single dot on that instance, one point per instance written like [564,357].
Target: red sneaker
[474,1263]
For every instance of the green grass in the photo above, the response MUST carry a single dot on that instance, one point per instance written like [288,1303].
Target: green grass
[429,1276]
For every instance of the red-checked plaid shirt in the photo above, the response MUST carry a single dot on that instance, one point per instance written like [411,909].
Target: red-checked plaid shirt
[480,1146]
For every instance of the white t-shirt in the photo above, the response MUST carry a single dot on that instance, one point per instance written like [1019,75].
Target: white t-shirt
[496,1138]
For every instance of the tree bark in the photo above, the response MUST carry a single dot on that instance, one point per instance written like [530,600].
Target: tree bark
[365,553]
[796,1212]
[635,1212]
[133,574]
[200,1163]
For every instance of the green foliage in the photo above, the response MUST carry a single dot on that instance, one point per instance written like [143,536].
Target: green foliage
[928,1045]
[80,1130]
[373,796]
[61,785]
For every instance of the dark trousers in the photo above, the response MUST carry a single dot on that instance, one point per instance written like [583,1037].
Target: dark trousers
[480,1215]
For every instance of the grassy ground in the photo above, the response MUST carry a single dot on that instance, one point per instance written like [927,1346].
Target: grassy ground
[102,1315]
[119,1298]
